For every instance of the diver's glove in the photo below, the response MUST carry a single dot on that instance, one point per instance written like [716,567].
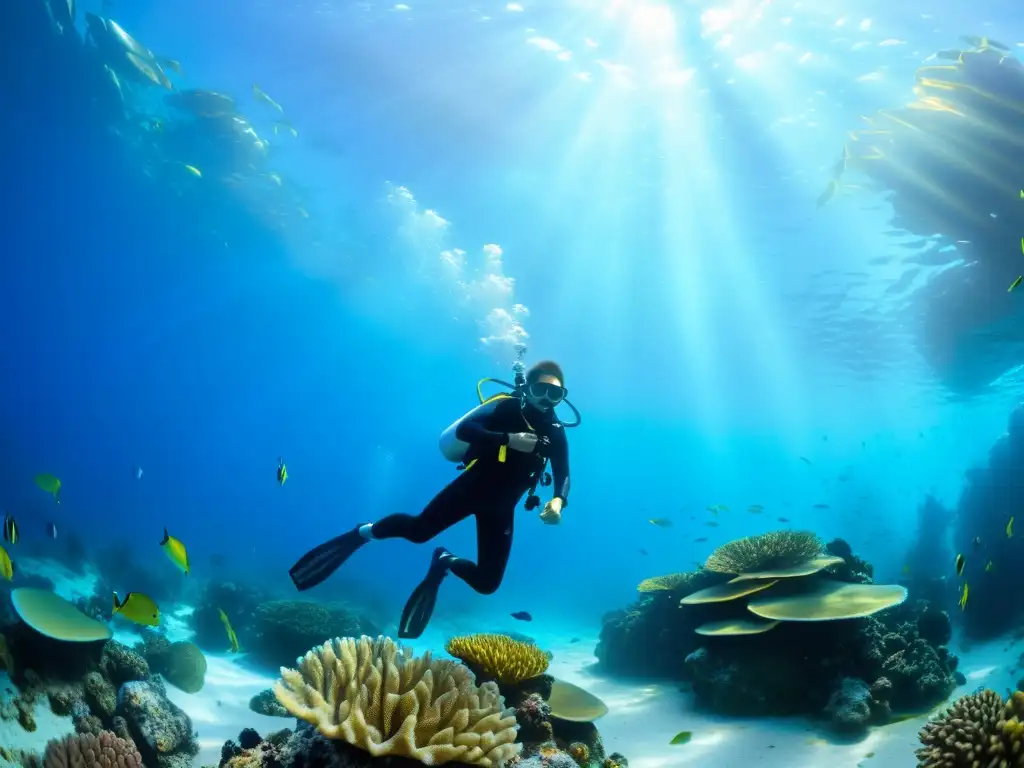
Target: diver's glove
[552,512]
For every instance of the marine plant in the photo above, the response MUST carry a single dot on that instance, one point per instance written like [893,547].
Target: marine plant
[499,657]
[980,729]
[377,696]
[775,550]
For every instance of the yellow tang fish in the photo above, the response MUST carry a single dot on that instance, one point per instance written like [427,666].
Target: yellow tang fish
[175,551]
[50,484]
[963,597]
[988,566]
[6,566]
[137,607]
[194,171]
[282,472]
[1009,529]
[1015,284]
[232,638]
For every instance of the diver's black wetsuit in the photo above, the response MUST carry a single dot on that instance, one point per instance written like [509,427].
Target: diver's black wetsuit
[489,488]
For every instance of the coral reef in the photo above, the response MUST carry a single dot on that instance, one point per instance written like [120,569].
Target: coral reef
[103,750]
[433,710]
[989,496]
[109,692]
[498,657]
[980,729]
[855,671]
[652,637]
[283,630]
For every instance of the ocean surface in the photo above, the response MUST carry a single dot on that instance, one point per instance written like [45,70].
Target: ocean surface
[265,234]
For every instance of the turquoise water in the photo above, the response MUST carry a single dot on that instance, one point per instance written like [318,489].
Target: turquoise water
[304,232]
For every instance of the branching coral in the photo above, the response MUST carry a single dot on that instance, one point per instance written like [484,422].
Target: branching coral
[779,549]
[499,657]
[91,751]
[377,696]
[673,582]
[977,730]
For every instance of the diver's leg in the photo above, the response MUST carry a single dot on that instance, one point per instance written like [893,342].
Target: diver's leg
[444,510]
[494,529]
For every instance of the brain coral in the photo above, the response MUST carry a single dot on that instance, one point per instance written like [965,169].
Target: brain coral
[377,696]
[185,667]
[87,750]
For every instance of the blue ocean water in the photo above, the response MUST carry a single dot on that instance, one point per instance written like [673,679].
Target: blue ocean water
[625,187]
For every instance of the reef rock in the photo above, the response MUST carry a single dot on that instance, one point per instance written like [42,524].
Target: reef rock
[266,703]
[160,729]
[121,664]
[850,706]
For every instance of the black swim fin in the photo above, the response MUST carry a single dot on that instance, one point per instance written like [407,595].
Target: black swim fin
[317,564]
[420,607]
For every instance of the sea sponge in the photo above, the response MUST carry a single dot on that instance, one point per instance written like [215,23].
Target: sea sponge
[499,657]
[104,750]
[375,695]
[779,549]
[977,729]
[185,667]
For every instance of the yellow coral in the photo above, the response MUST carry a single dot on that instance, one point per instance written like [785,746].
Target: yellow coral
[673,582]
[579,752]
[377,696]
[499,656]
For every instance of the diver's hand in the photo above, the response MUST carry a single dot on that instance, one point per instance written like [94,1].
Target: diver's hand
[524,442]
[552,512]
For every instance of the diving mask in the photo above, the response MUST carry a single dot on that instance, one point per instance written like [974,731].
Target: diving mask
[542,390]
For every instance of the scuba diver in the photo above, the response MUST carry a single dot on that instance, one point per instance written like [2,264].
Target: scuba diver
[503,445]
